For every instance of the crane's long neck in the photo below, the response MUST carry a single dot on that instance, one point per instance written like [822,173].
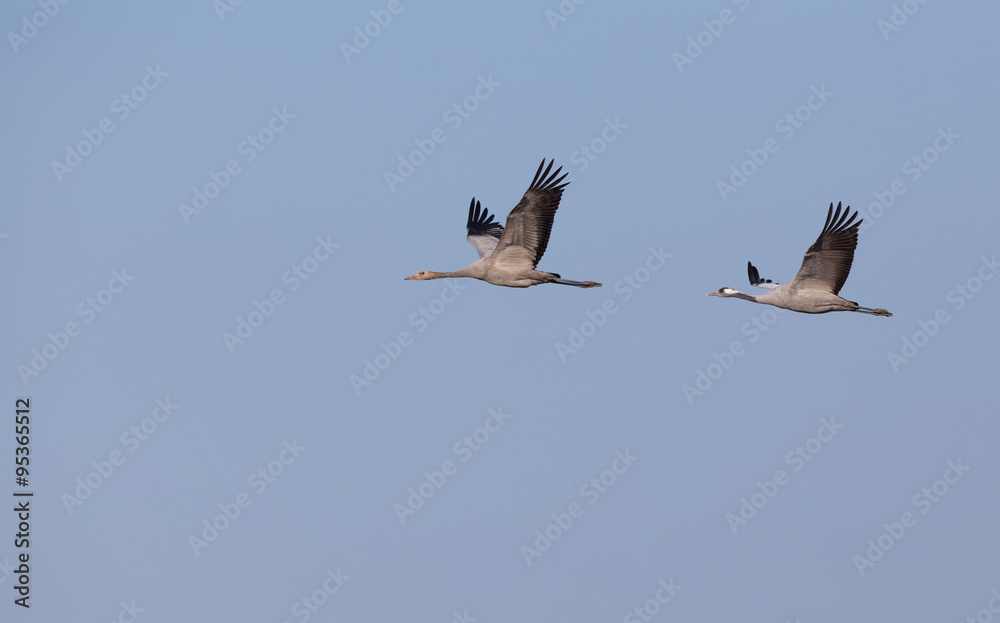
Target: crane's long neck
[468,271]
[745,297]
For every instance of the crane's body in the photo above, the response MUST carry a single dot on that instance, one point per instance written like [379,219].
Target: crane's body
[486,270]
[825,267]
[508,257]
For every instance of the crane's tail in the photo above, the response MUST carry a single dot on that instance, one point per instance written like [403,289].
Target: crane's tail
[579,284]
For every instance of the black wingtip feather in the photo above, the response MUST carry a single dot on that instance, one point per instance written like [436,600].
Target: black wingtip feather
[545,181]
[480,221]
[835,221]
[754,275]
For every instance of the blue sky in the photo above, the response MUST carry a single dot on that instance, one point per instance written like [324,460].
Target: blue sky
[208,216]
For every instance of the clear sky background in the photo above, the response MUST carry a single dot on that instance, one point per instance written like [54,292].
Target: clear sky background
[364,498]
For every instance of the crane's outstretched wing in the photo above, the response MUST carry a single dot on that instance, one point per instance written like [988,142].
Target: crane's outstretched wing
[528,225]
[827,263]
[483,233]
[755,279]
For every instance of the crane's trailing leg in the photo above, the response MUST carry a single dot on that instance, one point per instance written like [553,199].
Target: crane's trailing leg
[875,312]
[579,284]
[556,278]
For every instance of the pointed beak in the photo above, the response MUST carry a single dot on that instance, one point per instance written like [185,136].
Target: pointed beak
[410,277]
[712,294]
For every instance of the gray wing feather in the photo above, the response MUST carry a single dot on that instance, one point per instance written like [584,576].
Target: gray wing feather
[529,224]
[827,263]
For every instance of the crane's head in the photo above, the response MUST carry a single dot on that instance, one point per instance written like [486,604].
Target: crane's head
[424,274]
[724,292]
